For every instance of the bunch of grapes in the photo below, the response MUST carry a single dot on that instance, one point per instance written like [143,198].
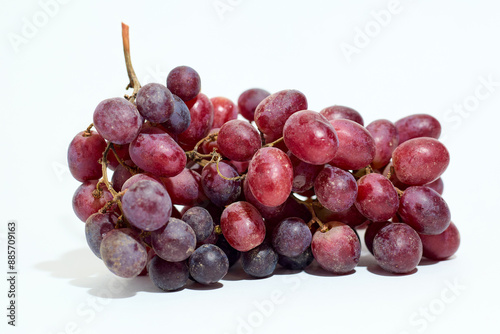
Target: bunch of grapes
[194,189]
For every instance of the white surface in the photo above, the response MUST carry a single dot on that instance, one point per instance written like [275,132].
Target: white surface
[428,58]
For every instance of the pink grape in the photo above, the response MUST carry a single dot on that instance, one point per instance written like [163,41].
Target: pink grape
[180,118]
[335,188]
[249,100]
[436,185]
[238,140]
[202,117]
[185,188]
[84,153]
[377,199]
[351,216]
[121,151]
[267,212]
[304,174]
[139,177]
[84,202]
[224,111]
[386,139]
[418,125]
[340,112]
[441,246]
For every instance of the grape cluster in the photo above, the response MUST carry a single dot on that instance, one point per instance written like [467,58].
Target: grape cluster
[194,188]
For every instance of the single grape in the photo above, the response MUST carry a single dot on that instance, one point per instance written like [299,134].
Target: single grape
[179,120]
[96,226]
[84,153]
[208,264]
[139,177]
[121,151]
[185,188]
[310,137]
[120,176]
[175,241]
[335,188]
[220,191]
[441,246]
[168,276]
[117,120]
[184,82]
[267,212]
[356,145]
[211,240]
[338,249]
[272,112]
[155,103]
[436,185]
[270,176]
[200,221]
[425,210]
[340,112]
[224,111]
[304,174]
[418,125]
[147,205]
[242,226]
[291,237]
[232,254]
[202,117]
[397,248]
[122,253]
[298,262]
[377,199]
[351,216]
[260,261]
[420,160]
[386,139]
[238,140]
[84,201]
[249,100]
[372,231]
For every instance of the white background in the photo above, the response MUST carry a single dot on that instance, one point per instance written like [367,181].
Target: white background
[428,57]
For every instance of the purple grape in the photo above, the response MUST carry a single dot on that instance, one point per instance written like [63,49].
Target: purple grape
[298,262]
[123,254]
[441,246]
[386,139]
[179,120]
[96,226]
[120,176]
[304,174]
[208,264]
[260,261]
[340,112]
[249,100]
[185,188]
[84,153]
[174,242]
[232,254]
[397,248]
[238,140]
[139,177]
[436,185]
[84,202]
[351,216]
[211,240]
[168,276]
[418,125]
[155,103]
[117,120]
[372,231]
[202,118]
[220,191]
[200,221]
[291,237]
[184,82]
[336,189]
[147,205]
[377,199]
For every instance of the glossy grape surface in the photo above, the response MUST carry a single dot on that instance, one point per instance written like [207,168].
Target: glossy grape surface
[224,111]
[377,199]
[202,118]
[84,153]
[180,118]
[220,191]
[372,231]
[238,140]
[441,246]
[249,100]
[418,125]
[184,82]
[336,189]
[386,139]
[340,112]
[304,174]
[185,188]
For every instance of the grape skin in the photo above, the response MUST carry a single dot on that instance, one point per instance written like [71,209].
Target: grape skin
[232,254]
[139,177]
[84,153]
[168,276]
[418,125]
[377,199]
[372,231]
[351,216]
[85,204]
[291,237]
[441,246]
[155,103]
[180,118]
[267,212]
[437,186]
[386,139]
[340,112]
[249,100]
[298,262]
[220,191]
[200,221]
[184,82]
[121,151]
[304,174]
[224,111]
[175,241]
[120,176]
[202,117]
[96,226]
[336,189]
[238,140]
[117,120]
[185,188]
[260,261]
[147,205]
[208,264]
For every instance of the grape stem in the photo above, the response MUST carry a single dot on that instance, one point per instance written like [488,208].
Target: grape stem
[217,229]
[309,204]
[131,170]
[115,200]
[218,158]
[105,180]
[87,132]
[134,82]
[274,142]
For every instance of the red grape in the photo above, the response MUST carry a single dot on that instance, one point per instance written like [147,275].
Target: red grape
[436,185]
[351,216]
[84,202]
[184,82]
[185,188]
[180,118]
[220,191]
[155,103]
[418,125]
[224,111]
[84,153]
[372,231]
[202,117]
[377,199]
[386,139]
[340,112]
[249,100]
[335,188]
[304,174]
[238,140]
[441,246]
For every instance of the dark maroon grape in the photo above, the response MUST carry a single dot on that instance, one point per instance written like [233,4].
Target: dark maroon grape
[174,242]
[185,188]
[272,112]
[386,139]
[224,111]
[238,140]
[123,254]
[200,221]
[168,276]
[260,261]
[270,176]
[220,191]
[184,82]
[397,248]
[156,152]
[338,249]
[420,160]
[291,237]
[121,151]
[155,103]
[436,185]
[310,137]
[304,174]
[335,188]
[351,216]
[84,201]
[147,205]
[232,254]
[139,177]
[120,176]
[356,145]
[249,100]
[179,120]
[377,199]
[418,125]
[372,231]
[208,264]
[340,112]
[441,246]
[298,262]
[425,210]
[202,117]
[84,153]
[211,240]
[242,226]
[117,120]
[96,226]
